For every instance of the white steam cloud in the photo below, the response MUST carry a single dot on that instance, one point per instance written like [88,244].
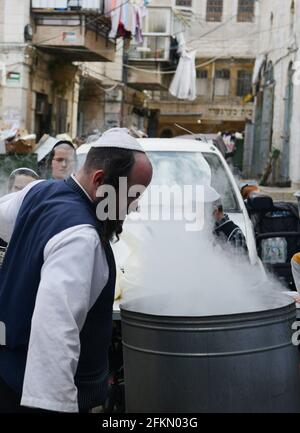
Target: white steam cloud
[176,273]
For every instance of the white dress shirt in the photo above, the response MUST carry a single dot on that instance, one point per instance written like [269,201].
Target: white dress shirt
[74,273]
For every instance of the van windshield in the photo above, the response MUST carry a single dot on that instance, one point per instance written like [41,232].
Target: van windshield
[194,168]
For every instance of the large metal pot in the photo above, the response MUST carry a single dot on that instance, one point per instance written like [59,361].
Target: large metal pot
[234,363]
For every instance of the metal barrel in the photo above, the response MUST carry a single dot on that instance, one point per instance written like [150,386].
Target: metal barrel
[237,363]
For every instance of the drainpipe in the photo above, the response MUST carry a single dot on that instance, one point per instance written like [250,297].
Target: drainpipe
[213,81]
[125,82]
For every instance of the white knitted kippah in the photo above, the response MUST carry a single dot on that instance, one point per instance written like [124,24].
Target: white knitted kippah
[119,138]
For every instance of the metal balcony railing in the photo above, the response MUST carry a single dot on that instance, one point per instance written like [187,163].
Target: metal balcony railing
[72,13]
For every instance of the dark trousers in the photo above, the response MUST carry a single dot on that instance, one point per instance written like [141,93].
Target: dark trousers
[10,401]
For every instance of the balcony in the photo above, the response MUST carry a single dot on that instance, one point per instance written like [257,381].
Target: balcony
[77,34]
[157,53]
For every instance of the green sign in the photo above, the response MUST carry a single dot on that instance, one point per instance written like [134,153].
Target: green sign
[13,76]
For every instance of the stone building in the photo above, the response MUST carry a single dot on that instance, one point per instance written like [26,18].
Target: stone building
[276,122]
[60,72]
[224,33]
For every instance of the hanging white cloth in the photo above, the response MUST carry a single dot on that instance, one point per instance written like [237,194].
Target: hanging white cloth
[183,85]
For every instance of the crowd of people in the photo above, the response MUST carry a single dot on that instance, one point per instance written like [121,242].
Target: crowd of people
[58,165]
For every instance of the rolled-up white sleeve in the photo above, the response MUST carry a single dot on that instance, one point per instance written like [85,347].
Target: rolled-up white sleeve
[74,273]
[10,205]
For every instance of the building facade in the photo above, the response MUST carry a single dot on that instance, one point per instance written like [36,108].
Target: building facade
[224,34]
[276,89]
[60,71]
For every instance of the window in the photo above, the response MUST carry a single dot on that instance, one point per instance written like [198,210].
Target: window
[184,3]
[153,48]
[214,10]
[246,11]
[244,83]
[223,74]
[221,183]
[222,82]
[202,73]
[158,20]
[157,37]
[202,82]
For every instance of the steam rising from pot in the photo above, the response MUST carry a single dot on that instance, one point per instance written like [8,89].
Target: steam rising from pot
[177,273]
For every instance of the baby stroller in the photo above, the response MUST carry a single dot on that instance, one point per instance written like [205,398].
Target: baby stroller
[277,233]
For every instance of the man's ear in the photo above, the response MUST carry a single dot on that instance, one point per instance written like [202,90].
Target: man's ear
[98,178]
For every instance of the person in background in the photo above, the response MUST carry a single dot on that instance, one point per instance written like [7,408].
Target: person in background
[247,190]
[62,160]
[20,178]
[227,231]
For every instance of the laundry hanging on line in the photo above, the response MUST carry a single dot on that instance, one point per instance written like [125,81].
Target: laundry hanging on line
[127,18]
[183,85]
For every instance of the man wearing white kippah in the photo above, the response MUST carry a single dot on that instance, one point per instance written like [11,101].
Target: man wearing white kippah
[17,181]
[57,309]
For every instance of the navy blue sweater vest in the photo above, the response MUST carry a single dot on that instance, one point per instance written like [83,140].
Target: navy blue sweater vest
[49,208]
